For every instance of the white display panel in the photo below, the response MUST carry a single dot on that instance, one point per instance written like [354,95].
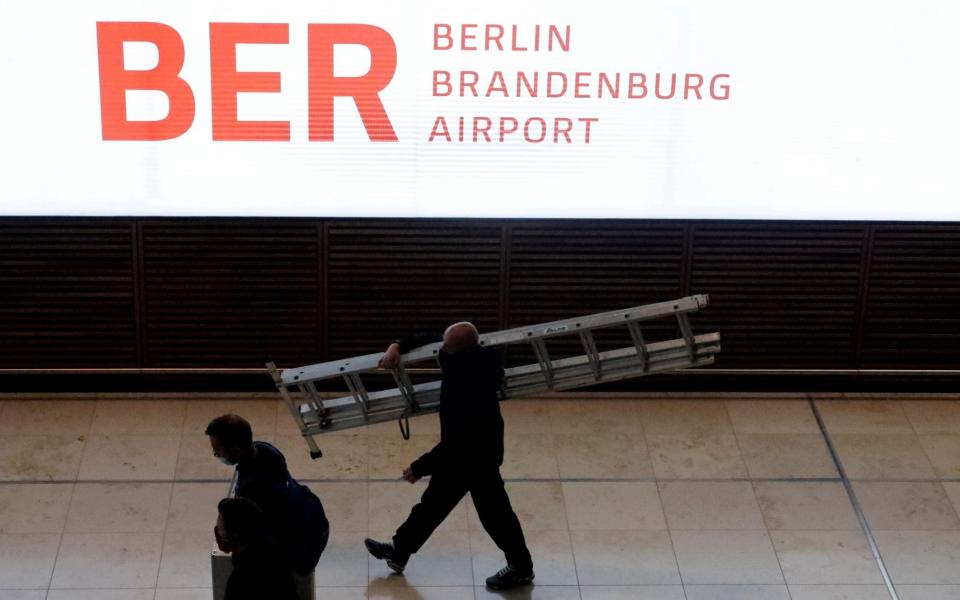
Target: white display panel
[806,110]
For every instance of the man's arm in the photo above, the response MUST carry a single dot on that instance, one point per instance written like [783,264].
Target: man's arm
[425,465]
[391,358]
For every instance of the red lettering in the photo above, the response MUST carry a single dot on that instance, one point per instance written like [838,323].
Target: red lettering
[485,130]
[497,84]
[724,88]
[568,127]
[440,128]
[587,121]
[442,78]
[489,37]
[469,79]
[504,130]
[464,36]
[579,84]
[365,90]
[687,88]
[115,80]
[634,84]
[445,36]
[225,81]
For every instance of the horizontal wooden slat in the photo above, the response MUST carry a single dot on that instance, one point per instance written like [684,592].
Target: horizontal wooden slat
[230,293]
[67,295]
[389,279]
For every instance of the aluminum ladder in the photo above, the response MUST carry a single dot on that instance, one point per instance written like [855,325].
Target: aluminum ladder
[315,415]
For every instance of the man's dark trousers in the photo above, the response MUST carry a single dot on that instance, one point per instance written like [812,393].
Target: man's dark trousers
[444,492]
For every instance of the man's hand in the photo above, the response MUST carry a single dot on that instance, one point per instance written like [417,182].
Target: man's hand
[409,475]
[390,358]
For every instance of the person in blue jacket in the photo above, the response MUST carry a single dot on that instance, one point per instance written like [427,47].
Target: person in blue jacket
[294,516]
[467,459]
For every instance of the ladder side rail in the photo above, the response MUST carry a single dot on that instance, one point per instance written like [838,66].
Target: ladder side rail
[637,313]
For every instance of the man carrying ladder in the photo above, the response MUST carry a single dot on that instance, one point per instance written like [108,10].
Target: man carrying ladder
[467,459]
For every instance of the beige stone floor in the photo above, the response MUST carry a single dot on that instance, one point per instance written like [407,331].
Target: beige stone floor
[647,497]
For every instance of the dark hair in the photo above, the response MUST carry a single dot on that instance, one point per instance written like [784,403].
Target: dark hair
[233,431]
[242,519]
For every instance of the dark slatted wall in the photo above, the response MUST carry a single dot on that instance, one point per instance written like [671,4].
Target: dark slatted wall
[783,296]
[562,270]
[67,295]
[227,293]
[912,317]
[386,280]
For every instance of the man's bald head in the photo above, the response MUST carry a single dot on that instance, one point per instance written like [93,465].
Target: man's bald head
[460,337]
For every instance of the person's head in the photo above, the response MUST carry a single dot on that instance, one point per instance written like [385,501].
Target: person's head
[460,337]
[231,438]
[239,523]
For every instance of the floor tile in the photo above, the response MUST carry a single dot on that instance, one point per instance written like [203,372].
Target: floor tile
[726,557]
[27,559]
[805,505]
[391,454]
[787,455]
[710,505]
[108,560]
[906,505]
[184,594]
[624,558]
[344,561]
[820,557]
[933,416]
[921,557]
[33,507]
[527,416]
[943,450]
[119,417]
[185,562]
[146,594]
[130,457]
[841,592]
[119,508]
[23,594]
[46,417]
[345,457]
[346,503]
[694,457]
[537,592]
[737,592]
[603,456]
[613,505]
[40,457]
[595,416]
[529,456]
[193,506]
[632,592]
[685,418]
[928,592]
[882,456]
[772,416]
[864,417]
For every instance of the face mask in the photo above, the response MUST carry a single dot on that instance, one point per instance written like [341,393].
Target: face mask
[226,461]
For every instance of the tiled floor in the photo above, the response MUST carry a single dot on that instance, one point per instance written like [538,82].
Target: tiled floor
[724,497]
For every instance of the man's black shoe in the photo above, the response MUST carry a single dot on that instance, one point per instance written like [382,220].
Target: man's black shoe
[385,550]
[509,577]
